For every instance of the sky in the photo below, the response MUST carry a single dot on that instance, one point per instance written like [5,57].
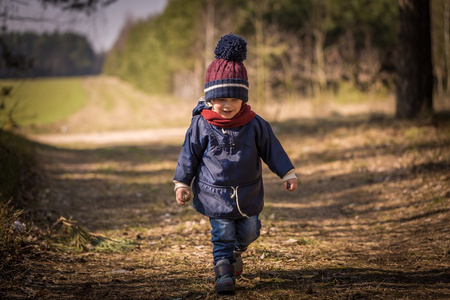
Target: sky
[101,28]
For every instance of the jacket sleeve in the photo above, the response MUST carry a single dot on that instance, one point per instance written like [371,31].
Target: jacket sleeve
[271,151]
[191,152]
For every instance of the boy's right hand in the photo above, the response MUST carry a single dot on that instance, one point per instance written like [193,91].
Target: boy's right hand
[183,195]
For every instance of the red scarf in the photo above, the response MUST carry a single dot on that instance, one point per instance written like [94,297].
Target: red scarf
[245,115]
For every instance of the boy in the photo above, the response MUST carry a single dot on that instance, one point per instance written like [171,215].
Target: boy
[221,159]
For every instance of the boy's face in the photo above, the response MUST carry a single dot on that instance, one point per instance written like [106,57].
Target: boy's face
[226,107]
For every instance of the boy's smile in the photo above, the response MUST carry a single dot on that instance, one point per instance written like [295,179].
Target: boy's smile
[226,107]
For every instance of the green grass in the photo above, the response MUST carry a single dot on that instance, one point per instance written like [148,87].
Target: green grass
[41,101]
[47,105]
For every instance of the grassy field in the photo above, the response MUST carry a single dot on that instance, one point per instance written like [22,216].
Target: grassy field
[89,104]
[42,101]
[101,103]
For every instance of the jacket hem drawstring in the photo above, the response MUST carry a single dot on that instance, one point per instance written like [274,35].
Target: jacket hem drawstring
[235,195]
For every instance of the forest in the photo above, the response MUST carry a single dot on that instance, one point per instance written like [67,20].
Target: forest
[296,48]
[37,55]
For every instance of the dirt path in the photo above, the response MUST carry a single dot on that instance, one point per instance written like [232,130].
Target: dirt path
[370,221]
[135,137]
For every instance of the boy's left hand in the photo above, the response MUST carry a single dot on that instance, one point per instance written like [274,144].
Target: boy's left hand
[290,184]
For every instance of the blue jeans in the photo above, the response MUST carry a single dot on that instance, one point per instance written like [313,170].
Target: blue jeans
[231,234]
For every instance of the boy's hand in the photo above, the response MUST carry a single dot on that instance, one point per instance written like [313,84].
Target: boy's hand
[183,195]
[290,184]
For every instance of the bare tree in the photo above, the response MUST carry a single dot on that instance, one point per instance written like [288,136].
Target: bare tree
[447,41]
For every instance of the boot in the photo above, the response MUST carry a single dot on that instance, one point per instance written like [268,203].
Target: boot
[224,275]
[238,265]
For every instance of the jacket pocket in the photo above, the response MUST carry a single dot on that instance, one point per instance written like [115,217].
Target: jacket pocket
[251,197]
[219,202]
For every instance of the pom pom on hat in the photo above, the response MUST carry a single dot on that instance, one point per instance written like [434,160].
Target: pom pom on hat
[231,47]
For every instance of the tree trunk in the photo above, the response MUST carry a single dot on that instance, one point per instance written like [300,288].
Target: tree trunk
[209,34]
[447,43]
[260,52]
[319,68]
[413,63]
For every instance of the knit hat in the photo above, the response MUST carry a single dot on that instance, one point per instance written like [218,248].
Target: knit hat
[226,76]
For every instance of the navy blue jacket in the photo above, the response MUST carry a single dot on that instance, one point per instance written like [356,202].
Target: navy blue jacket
[224,166]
